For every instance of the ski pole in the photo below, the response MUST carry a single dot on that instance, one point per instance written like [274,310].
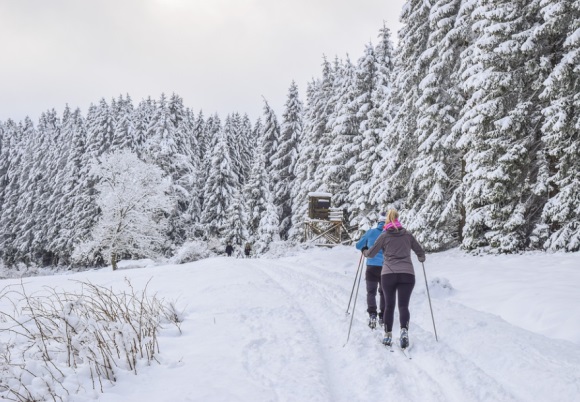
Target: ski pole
[353,308]
[354,283]
[429,297]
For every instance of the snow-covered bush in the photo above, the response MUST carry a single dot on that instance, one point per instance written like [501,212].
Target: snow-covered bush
[191,251]
[24,271]
[56,343]
[278,249]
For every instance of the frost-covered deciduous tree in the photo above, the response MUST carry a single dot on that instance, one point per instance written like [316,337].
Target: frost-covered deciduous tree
[134,199]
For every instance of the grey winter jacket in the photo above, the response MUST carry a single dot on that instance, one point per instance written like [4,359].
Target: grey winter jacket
[396,246]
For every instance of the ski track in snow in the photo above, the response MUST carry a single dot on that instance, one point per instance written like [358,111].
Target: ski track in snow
[448,377]
[272,358]
[473,360]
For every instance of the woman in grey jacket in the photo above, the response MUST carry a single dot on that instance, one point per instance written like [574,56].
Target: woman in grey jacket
[397,274]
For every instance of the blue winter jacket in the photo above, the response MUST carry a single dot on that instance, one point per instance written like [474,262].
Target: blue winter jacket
[368,240]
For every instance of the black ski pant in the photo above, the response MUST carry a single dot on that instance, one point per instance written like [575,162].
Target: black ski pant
[397,286]
[373,280]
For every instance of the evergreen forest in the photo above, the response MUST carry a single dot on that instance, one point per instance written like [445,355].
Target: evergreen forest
[469,126]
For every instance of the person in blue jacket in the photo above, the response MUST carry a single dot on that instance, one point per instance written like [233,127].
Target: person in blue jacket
[373,272]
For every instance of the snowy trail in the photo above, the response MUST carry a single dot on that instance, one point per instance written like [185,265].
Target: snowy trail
[274,330]
[442,375]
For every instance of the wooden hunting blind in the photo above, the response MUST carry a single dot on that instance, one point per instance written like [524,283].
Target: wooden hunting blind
[319,205]
[324,225]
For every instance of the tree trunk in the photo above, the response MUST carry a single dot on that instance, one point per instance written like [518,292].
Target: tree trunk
[114,261]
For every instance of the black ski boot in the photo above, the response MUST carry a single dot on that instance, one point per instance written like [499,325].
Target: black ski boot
[372,320]
[388,339]
[404,338]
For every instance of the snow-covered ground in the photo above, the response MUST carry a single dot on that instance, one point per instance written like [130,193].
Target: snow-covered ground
[275,330]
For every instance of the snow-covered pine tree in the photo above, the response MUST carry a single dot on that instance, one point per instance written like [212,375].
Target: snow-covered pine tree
[247,144]
[11,155]
[212,131]
[560,225]
[168,147]
[256,137]
[80,196]
[499,126]
[63,222]
[270,134]
[48,157]
[25,203]
[433,203]
[60,148]
[342,137]
[398,144]
[176,109]
[236,230]
[220,190]
[188,127]
[141,120]
[100,129]
[284,158]
[233,132]
[199,134]
[123,130]
[316,115]
[372,88]
[256,189]
[134,198]
[3,163]
[269,226]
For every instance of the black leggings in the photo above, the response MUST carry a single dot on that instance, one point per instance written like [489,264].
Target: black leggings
[373,280]
[401,285]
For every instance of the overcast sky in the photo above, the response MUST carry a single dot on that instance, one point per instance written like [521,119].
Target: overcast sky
[219,55]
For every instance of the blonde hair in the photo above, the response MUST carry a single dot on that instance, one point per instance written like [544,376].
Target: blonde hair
[392,216]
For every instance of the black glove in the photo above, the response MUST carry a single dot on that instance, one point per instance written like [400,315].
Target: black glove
[365,248]
[421,258]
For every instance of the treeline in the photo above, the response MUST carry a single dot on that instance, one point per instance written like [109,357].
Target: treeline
[220,185]
[471,127]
